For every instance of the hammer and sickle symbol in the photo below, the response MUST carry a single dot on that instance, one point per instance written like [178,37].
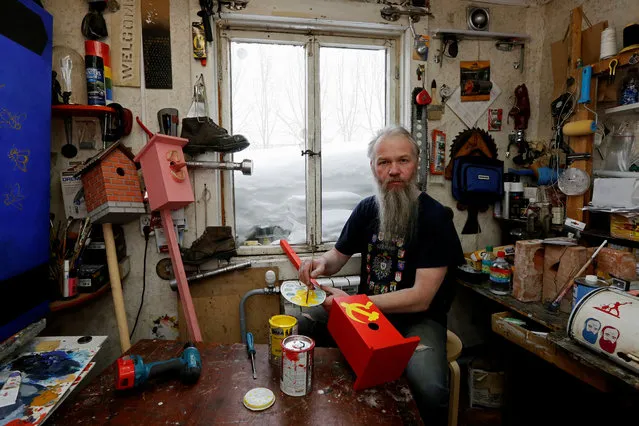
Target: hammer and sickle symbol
[362,309]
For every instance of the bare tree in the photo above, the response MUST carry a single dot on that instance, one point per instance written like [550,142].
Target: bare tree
[347,97]
[240,110]
[371,87]
[266,112]
[294,117]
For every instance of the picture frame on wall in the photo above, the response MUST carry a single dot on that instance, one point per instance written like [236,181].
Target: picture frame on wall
[438,160]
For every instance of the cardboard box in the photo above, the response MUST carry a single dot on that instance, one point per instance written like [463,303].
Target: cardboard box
[73,195]
[625,226]
[92,277]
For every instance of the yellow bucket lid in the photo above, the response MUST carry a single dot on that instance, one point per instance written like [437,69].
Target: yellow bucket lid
[259,399]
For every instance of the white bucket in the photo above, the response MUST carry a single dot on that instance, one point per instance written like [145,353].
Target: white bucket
[605,320]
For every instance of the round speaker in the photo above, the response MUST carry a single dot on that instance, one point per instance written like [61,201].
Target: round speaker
[478,18]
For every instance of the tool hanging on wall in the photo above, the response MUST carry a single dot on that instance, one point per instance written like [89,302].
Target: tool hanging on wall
[419,127]
[199,42]
[435,109]
[156,44]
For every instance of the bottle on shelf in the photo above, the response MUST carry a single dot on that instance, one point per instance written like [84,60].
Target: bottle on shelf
[500,275]
[487,260]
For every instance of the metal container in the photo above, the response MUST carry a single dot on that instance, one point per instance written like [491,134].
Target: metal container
[584,285]
[296,372]
[605,321]
[280,327]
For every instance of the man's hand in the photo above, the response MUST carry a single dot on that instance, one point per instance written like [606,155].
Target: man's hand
[331,293]
[311,269]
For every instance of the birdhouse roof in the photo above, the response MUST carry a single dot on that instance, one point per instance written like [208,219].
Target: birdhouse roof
[95,160]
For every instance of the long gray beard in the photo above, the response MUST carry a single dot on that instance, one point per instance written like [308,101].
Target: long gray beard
[398,210]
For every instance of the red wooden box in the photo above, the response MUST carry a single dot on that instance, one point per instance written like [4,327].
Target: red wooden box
[372,346]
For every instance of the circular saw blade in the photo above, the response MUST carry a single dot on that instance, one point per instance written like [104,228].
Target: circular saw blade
[164,269]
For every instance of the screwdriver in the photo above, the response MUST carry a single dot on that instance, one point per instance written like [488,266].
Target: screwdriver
[250,348]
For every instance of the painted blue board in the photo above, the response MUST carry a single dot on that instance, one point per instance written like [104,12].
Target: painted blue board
[25,136]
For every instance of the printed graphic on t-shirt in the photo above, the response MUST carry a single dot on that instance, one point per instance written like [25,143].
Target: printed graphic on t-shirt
[383,264]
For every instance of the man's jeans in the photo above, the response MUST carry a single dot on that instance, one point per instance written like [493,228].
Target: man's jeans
[426,372]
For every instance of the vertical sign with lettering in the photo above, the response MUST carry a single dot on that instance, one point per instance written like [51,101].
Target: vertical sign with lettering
[125,44]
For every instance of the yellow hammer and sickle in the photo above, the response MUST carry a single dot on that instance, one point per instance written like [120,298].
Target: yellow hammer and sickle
[351,308]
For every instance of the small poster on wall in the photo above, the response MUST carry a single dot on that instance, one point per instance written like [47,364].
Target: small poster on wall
[438,160]
[475,81]
[494,119]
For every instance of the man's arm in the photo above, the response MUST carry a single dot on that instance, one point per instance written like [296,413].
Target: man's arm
[327,264]
[415,299]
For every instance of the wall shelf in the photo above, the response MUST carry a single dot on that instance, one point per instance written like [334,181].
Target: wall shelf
[627,109]
[477,35]
[81,110]
[601,67]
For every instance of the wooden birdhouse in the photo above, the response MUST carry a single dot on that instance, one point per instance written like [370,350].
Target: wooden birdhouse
[375,350]
[111,186]
[165,174]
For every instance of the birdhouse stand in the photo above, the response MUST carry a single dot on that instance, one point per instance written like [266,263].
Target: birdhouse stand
[112,186]
[169,188]
[372,346]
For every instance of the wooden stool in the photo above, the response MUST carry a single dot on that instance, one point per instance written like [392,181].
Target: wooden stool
[453,350]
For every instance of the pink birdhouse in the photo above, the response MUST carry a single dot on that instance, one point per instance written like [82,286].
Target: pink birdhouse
[111,186]
[165,174]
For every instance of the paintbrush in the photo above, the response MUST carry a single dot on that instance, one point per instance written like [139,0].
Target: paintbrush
[435,109]
[308,289]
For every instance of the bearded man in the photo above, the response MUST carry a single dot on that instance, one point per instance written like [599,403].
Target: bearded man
[410,251]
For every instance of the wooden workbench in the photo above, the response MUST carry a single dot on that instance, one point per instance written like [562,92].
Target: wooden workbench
[226,377]
[559,349]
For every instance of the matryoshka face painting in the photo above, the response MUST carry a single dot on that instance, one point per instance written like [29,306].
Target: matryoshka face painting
[591,330]
[609,337]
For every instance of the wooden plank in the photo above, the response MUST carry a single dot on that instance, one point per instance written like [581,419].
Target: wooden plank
[594,360]
[217,396]
[547,350]
[533,310]
[217,305]
[580,144]
[601,67]
[125,44]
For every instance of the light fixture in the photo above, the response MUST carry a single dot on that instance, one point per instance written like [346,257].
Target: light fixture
[478,18]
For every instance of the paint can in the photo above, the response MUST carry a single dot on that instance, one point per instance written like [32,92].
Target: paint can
[296,372]
[94,68]
[280,326]
[605,321]
[584,285]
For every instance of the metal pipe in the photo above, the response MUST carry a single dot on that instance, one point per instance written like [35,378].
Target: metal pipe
[246,166]
[235,267]
[615,173]
[266,290]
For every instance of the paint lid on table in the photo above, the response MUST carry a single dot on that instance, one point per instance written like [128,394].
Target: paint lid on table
[258,399]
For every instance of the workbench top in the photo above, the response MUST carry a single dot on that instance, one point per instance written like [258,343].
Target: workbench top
[226,377]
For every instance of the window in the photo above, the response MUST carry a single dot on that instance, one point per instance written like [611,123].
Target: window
[308,105]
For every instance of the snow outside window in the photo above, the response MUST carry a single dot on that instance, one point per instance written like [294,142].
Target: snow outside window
[291,94]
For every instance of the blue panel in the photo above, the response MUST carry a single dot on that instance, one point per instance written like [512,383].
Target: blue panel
[25,139]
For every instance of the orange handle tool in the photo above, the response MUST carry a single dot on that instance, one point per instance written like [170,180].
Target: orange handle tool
[294,258]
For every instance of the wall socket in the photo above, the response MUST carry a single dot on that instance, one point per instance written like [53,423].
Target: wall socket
[145,220]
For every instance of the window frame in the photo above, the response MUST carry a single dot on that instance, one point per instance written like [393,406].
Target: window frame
[312,41]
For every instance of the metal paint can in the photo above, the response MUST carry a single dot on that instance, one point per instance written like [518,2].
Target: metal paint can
[296,372]
[584,286]
[605,321]
[280,327]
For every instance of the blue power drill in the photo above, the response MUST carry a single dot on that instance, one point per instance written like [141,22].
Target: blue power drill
[132,372]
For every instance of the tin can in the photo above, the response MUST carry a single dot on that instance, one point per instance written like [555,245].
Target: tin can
[296,372]
[280,326]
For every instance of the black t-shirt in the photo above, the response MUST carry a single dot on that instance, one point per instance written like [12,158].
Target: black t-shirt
[391,265]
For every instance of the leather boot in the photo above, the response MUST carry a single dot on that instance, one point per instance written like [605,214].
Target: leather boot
[216,242]
[216,138]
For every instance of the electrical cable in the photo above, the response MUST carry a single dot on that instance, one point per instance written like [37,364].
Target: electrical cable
[147,232]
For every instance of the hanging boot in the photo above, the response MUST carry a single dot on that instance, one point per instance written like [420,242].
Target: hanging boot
[204,135]
[216,242]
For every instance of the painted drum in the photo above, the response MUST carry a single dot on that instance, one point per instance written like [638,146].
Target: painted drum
[605,320]
[280,326]
[296,372]
[584,285]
